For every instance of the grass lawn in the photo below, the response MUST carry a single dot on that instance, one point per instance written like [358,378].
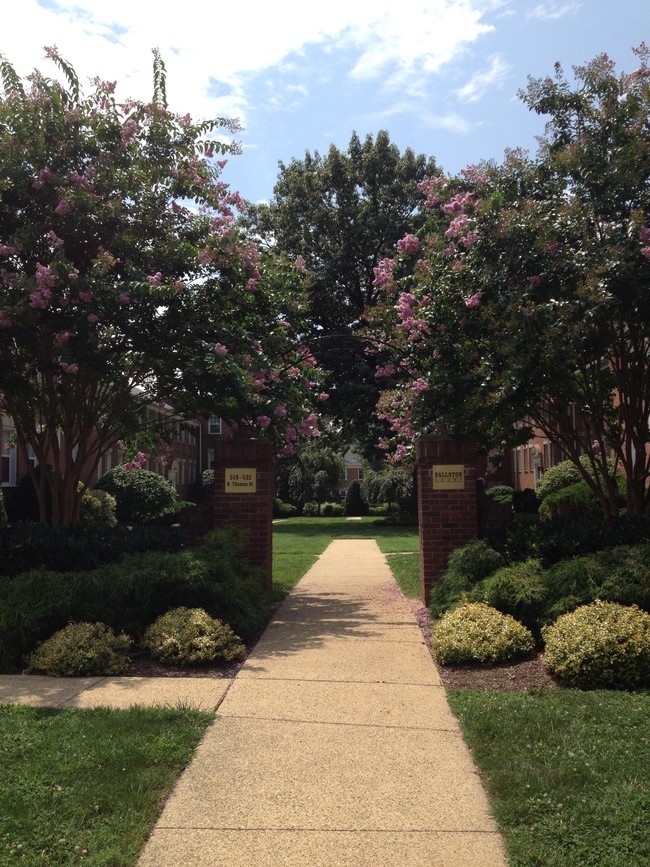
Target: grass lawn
[568,773]
[297,543]
[86,786]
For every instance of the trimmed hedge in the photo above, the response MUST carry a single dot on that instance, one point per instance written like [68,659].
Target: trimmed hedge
[130,595]
[82,649]
[476,632]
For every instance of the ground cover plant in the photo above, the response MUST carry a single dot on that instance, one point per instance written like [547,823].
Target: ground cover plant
[566,771]
[85,786]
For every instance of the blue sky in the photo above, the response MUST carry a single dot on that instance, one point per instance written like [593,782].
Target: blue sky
[441,76]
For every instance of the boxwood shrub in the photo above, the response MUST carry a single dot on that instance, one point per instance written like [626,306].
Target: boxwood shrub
[476,632]
[600,646]
[189,636]
[82,649]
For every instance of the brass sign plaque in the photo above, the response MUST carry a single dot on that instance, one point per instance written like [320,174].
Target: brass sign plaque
[241,480]
[448,477]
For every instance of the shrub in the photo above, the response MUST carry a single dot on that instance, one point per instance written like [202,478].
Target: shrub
[466,566]
[130,595]
[600,646]
[142,497]
[82,649]
[354,506]
[189,636]
[519,590]
[501,494]
[311,510]
[560,476]
[525,502]
[571,503]
[283,510]
[98,509]
[475,632]
[24,547]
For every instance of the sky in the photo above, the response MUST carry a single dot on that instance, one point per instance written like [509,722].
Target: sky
[441,76]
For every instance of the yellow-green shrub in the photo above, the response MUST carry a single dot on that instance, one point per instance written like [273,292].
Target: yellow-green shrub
[189,636]
[82,649]
[475,632]
[600,646]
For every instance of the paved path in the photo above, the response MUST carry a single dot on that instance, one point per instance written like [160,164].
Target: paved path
[334,745]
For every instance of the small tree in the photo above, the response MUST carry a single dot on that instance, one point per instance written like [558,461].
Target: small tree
[354,505]
[529,307]
[123,283]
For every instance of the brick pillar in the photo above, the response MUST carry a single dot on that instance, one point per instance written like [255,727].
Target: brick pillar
[243,496]
[447,506]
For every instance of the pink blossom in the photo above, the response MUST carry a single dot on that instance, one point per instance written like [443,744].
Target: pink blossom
[288,449]
[54,238]
[449,250]
[644,234]
[155,279]
[92,318]
[383,272]
[294,372]
[300,265]
[251,285]
[5,321]
[62,208]
[323,396]
[595,446]
[137,463]
[309,427]
[436,355]
[85,296]
[124,298]
[409,244]
[222,163]
[262,421]
[419,385]
[470,239]
[45,279]
[457,226]
[280,411]
[6,250]
[290,434]
[220,349]
[256,345]
[69,368]
[535,280]
[474,300]
[62,337]
[645,251]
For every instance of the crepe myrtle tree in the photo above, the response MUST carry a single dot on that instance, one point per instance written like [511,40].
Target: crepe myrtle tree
[532,306]
[124,284]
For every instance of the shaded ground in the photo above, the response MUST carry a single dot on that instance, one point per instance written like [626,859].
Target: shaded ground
[518,675]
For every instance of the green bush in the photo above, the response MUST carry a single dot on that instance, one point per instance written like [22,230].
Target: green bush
[333,510]
[354,505]
[310,510]
[560,476]
[24,547]
[466,567]
[525,501]
[475,632]
[82,649]
[501,494]
[98,509]
[571,503]
[519,590]
[600,646]
[189,636]
[283,510]
[142,497]
[130,595]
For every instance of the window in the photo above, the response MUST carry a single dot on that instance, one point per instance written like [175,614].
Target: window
[214,425]
[8,458]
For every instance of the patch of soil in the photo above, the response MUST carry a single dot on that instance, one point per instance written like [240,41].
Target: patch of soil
[518,674]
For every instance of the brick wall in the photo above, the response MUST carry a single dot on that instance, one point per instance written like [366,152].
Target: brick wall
[251,512]
[448,518]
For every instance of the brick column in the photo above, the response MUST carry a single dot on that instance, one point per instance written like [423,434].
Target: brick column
[447,506]
[243,496]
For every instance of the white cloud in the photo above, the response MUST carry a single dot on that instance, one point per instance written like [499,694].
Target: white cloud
[552,11]
[203,43]
[483,81]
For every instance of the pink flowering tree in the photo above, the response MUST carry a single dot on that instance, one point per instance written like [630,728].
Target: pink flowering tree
[528,305]
[123,282]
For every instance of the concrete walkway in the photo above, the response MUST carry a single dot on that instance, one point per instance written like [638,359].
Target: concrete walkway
[334,745]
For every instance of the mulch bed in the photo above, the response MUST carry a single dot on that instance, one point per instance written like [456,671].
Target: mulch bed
[518,675]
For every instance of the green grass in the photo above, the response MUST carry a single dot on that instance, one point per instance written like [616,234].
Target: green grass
[298,542]
[568,773]
[86,786]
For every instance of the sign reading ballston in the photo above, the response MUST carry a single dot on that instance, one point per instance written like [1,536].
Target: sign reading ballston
[240,480]
[448,477]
